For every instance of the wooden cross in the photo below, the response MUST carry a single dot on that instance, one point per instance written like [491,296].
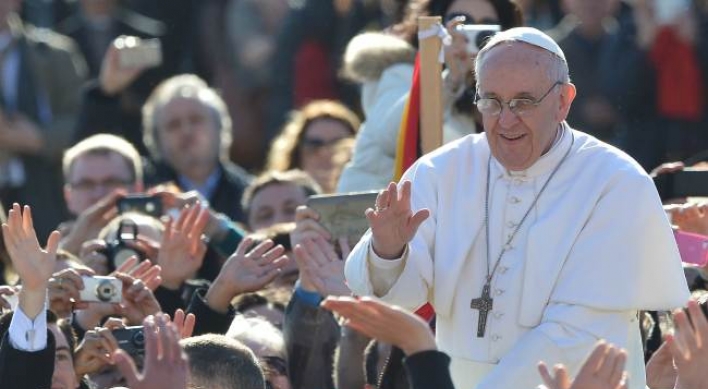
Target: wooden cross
[483,304]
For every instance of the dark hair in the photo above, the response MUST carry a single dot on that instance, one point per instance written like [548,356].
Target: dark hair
[217,361]
[293,177]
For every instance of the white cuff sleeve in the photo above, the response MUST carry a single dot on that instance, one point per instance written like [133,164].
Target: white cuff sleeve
[28,335]
[385,272]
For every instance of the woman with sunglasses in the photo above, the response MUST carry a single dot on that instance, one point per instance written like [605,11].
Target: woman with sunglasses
[383,64]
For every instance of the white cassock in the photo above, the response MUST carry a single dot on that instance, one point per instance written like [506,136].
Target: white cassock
[595,248]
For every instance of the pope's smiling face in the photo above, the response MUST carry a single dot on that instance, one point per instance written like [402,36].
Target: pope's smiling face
[514,70]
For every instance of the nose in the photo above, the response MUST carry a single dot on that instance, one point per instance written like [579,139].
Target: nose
[507,119]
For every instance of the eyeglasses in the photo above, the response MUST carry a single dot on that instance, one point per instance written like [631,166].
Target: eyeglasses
[469,19]
[90,185]
[492,106]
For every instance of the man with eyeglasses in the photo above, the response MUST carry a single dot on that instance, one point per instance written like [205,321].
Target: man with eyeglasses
[532,241]
[97,171]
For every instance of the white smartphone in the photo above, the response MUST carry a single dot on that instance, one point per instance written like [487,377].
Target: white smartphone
[144,53]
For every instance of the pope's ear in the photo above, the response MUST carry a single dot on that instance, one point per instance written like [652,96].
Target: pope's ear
[567,95]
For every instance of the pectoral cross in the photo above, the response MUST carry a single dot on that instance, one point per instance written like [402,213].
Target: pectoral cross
[483,305]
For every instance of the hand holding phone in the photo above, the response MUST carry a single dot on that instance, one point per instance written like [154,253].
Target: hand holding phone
[139,53]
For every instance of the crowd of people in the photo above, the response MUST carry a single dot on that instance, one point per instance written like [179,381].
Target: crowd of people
[157,158]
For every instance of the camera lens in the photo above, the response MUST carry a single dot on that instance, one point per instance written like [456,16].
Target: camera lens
[483,37]
[105,291]
[139,339]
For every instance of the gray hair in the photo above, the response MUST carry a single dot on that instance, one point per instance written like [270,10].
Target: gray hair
[187,86]
[557,69]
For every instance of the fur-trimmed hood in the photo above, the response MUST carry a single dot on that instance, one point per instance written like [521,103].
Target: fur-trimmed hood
[369,54]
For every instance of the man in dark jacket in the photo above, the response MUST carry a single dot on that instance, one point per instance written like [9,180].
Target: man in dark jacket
[187,130]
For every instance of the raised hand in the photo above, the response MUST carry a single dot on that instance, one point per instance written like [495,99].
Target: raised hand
[387,323]
[138,300]
[182,250]
[321,269]
[33,264]
[604,369]
[184,323]
[689,347]
[246,272]
[393,223]
[95,351]
[144,271]
[307,226]
[661,372]
[113,77]
[165,363]
[90,222]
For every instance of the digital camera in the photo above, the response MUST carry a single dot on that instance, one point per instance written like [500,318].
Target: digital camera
[101,289]
[118,251]
[131,340]
[140,203]
[477,35]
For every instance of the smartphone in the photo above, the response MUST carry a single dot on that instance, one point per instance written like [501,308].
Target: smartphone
[343,215]
[477,35]
[692,247]
[142,53]
[141,203]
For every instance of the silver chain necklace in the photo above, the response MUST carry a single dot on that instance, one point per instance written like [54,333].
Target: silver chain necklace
[484,304]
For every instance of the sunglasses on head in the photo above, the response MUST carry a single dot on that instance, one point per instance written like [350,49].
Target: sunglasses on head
[469,19]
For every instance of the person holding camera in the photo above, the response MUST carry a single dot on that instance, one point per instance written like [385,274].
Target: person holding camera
[383,64]
[531,241]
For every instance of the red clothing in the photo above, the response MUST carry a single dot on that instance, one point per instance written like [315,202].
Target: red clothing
[679,79]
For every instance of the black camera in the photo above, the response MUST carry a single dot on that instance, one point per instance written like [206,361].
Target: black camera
[131,340]
[141,203]
[683,183]
[118,251]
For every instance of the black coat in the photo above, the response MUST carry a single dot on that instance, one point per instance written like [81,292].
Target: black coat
[22,369]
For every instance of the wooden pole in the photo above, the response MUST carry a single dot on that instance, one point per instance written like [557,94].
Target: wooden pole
[431,110]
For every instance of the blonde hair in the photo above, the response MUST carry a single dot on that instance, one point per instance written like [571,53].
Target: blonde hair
[187,86]
[284,154]
[103,144]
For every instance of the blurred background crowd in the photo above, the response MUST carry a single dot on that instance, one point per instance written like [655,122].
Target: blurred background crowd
[250,107]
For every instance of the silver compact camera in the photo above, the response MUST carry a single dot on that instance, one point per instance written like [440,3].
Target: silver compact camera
[101,289]
[477,35]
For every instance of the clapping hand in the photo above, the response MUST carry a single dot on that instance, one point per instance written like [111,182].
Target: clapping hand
[388,324]
[246,272]
[166,364]
[604,369]
[182,250]
[393,223]
[321,269]
[689,347]
[33,264]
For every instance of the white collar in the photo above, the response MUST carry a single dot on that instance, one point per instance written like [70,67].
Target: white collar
[546,163]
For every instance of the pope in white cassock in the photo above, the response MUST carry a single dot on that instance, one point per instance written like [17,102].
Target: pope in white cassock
[532,241]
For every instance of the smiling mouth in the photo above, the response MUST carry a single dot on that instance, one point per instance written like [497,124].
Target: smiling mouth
[512,137]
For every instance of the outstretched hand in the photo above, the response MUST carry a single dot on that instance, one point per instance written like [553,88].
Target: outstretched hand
[393,223]
[182,250]
[604,369]
[387,323]
[246,271]
[33,264]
